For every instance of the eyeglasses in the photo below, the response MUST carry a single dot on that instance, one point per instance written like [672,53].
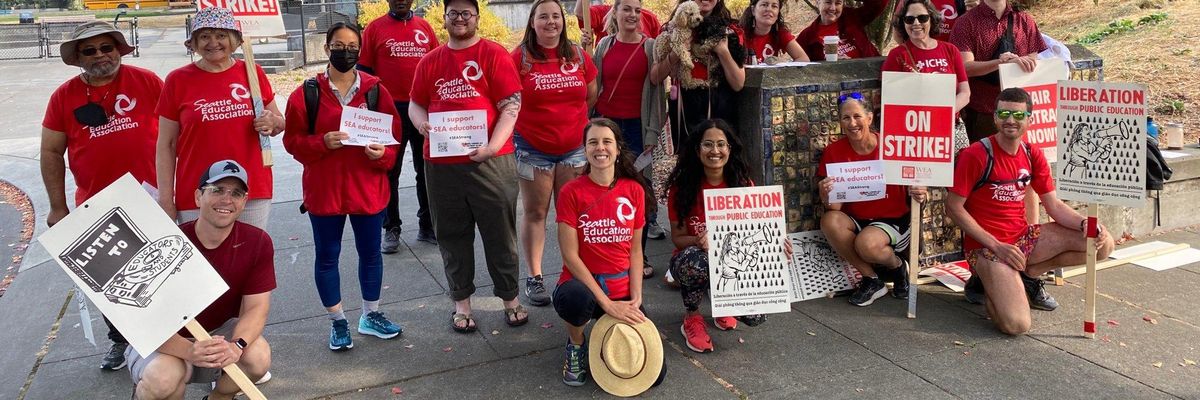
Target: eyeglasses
[1018,115]
[91,51]
[214,190]
[465,15]
[912,19]
[709,145]
[852,95]
[340,46]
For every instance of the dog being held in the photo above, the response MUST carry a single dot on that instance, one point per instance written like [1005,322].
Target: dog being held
[679,39]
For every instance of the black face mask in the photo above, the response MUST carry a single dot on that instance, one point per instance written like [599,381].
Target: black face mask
[343,60]
[91,114]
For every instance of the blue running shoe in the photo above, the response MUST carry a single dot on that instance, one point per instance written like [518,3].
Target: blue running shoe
[375,324]
[575,365]
[339,336]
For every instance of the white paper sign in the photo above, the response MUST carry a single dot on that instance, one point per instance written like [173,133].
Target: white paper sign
[856,181]
[1042,85]
[134,264]
[954,275]
[748,268]
[457,133]
[366,127]
[916,131]
[258,18]
[817,269]
[1102,143]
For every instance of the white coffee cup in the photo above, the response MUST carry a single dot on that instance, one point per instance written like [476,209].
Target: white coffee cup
[831,48]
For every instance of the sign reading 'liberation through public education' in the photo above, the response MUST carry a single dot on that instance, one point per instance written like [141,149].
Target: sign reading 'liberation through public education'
[1102,143]
[748,267]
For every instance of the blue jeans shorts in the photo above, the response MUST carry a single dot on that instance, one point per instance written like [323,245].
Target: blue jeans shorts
[529,158]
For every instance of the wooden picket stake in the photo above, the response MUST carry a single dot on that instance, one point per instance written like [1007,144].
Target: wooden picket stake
[1127,260]
[264,142]
[243,382]
[1089,317]
[586,25]
[914,254]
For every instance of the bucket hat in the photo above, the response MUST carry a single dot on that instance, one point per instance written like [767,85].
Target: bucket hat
[216,18]
[625,360]
[70,49]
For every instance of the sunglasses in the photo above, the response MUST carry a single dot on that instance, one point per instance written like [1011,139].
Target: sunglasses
[852,95]
[1018,115]
[91,51]
[912,19]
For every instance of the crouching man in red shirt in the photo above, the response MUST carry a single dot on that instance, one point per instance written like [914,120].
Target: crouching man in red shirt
[244,257]
[1005,252]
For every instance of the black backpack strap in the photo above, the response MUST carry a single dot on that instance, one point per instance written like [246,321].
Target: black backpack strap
[987,167]
[373,98]
[312,103]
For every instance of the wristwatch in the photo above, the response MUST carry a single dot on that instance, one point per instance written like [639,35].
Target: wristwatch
[241,343]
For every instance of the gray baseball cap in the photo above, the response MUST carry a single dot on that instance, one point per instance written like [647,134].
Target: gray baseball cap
[224,169]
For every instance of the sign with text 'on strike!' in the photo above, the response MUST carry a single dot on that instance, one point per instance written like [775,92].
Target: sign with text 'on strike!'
[917,129]
[258,18]
[1042,85]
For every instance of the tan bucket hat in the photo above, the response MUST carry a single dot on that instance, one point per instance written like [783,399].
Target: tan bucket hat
[69,50]
[625,360]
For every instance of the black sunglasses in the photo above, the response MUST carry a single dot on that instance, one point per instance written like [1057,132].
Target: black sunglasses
[911,19]
[91,51]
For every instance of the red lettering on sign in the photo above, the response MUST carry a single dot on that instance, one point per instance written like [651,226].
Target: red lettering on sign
[917,133]
[244,8]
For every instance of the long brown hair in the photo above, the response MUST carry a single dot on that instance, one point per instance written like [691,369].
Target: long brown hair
[566,49]
[747,21]
[624,168]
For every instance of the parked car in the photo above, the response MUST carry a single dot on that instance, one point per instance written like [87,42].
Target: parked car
[26,18]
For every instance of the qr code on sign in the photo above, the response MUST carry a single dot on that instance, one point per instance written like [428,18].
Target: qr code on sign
[443,147]
[841,195]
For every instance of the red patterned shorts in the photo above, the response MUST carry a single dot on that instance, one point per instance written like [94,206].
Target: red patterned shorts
[1026,242]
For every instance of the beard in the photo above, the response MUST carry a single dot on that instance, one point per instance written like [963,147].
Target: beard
[101,70]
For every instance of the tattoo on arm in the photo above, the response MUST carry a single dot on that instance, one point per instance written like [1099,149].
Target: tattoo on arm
[510,105]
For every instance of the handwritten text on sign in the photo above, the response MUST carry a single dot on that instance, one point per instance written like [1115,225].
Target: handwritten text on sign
[366,127]
[457,133]
[856,181]
[918,133]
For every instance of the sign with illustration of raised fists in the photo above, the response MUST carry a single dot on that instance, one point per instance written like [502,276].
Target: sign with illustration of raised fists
[917,128]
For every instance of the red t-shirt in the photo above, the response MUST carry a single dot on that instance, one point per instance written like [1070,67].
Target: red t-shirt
[846,47]
[769,45]
[621,92]
[943,59]
[554,106]
[696,221]
[650,25]
[245,260]
[604,222]
[1000,207]
[98,156]
[893,205]
[474,78]
[216,122]
[392,48]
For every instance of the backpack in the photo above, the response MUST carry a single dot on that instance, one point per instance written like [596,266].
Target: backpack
[986,178]
[1157,171]
[312,101]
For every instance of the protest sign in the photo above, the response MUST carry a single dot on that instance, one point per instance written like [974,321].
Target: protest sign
[258,18]
[817,269]
[954,275]
[457,133]
[856,181]
[917,128]
[748,268]
[1102,143]
[366,127]
[1042,85]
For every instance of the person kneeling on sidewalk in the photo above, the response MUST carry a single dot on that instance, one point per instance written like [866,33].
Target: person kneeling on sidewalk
[244,257]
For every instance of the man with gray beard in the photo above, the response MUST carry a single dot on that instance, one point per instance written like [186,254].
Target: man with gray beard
[104,121]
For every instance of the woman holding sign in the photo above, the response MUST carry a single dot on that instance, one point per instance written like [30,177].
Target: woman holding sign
[870,235]
[558,82]
[344,178]
[711,160]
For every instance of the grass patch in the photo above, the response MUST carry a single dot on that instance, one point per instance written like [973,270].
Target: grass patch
[1121,26]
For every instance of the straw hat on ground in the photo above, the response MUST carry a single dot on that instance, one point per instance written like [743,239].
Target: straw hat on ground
[625,360]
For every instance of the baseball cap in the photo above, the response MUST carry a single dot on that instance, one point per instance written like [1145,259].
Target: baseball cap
[224,169]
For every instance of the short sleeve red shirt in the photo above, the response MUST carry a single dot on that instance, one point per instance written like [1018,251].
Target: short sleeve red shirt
[979,32]
[999,206]
[604,222]
[474,78]
[216,122]
[392,48]
[846,47]
[943,59]
[622,79]
[554,106]
[650,25]
[696,222]
[98,156]
[769,45]
[893,205]
[245,260]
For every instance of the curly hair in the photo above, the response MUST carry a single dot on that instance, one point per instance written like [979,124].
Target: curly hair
[935,19]
[688,175]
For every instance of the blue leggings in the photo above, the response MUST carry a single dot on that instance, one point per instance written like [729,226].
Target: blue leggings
[327,238]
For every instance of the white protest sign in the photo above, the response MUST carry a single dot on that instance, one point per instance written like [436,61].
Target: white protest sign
[134,264]
[258,18]
[1042,85]
[457,133]
[817,269]
[366,127]
[954,275]
[1102,143]
[856,181]
[917,128]
[748,268]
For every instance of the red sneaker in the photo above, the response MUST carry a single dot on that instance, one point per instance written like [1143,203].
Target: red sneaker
[725,323]
[696,334]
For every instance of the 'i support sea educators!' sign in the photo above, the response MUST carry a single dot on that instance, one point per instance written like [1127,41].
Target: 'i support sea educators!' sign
[1042,84]
[917,129]
[457,133]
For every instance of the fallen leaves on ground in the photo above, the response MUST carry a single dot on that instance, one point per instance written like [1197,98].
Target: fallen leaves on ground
[959,343]
[547,325]
[448,349]
[396,390]
[740,340]
[1114,322]
[495,332]
[408,346]
[811,333]
[1157,364]
[1150,320]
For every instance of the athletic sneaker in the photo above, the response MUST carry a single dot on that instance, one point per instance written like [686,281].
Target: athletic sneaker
[339,336]
[725,323]
[575,365]
[535,290]
[696,333]
[115,359]
[900,280]
[377,325]
[753,320]
[973,291]
[1035,288]
[868,290]
[391,241]
[655,231]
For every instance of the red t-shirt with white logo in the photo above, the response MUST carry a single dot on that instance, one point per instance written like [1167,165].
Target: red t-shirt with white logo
[474,78]
[604,220]
[216,122]
[696,222]
[554,106]
[999,206]
[245,261]
[893,205]
[943,59]
[769,45]
[98,156]
[392,48]
[846,47]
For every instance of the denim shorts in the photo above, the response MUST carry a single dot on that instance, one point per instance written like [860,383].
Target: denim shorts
[529,158]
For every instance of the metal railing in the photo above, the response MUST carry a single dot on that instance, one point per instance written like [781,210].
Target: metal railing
[41,40]
[303,18]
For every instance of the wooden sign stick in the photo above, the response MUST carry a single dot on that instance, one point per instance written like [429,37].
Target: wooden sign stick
[914,254]
[586,25]
[1089,309]
[264,142]
[232,370]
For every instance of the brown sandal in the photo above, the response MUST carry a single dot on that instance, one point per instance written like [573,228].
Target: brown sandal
[456,317]
[510,316]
